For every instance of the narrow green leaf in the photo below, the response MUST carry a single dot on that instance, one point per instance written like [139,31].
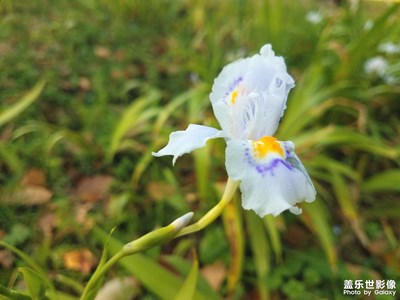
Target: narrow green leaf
[316,218]
[270,224]
[348,205]
[330,136]
[35,282]
[386,181]
[261,251]
[173,105]
[325,163]
[141,166]
[92,292]
[234,232]
[10,157]
[202,170]
[343,196]
[8,294]
[130,118]
[22,104]
[183,267]
[29,261]
[189,286]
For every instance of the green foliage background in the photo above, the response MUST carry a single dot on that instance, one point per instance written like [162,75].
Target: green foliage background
[120,76]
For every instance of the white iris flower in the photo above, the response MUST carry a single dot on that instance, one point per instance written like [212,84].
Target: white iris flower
[249,98]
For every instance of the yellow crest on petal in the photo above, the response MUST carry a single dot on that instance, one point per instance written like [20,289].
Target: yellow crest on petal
[265,145]
[234,96]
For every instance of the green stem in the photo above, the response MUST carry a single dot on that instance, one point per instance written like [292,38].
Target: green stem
[12,294]
[214,212]
[149,240]
[98,275]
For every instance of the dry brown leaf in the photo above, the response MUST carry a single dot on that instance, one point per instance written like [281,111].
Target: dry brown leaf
[31,191]
[79,260]
[6,133]
[47,223]
[117,74]
[31,195]
[296,236]
[392,259]
[84,84]
[5,48]
[102,52]
[34,177]
[159,190]
[94,189]
[6,258]
[214,274]
[82,216]
[358,270]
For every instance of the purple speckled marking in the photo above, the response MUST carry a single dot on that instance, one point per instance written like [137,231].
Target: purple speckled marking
[263,169]
[233,85]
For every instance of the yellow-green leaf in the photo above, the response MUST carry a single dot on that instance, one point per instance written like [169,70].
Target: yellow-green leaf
[22,104]
[189,286]
[35,282]
[385,181]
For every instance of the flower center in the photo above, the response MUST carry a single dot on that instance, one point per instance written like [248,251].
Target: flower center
[266,144]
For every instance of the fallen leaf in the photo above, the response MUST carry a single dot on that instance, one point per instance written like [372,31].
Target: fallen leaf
[296,236]
[214,274]
[84,84]
[47,223]
[102,52]
[359,270]
[6,258]
[159,190]
[31,190]
[117,74]
[82,216]
[94,189]
[392,259]
[34,177]
[79,260]
[30,195]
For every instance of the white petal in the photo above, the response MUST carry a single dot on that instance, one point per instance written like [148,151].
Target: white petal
[194,137]
[270,183]
[249,95]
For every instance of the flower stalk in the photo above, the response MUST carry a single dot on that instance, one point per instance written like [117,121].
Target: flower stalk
[214,212]
[149,240]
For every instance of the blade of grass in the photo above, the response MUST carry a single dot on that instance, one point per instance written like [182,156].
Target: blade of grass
[260,250]
[346,200]
[189,286]
[316,219]
[129,120]
[234,232]
[270,224]
[29,261]
[386,181]
[183,267]
[11,294]
[22,104]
